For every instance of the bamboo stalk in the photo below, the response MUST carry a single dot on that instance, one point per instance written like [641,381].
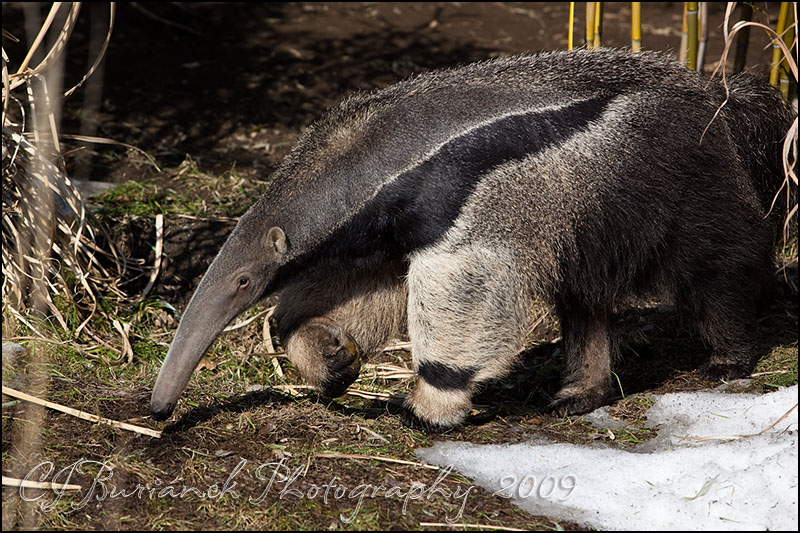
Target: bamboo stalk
[598,24]
[571,30]
[742,40]
[691,36]
[703,44]
[590,25]
[636,27]
[788,39]
[684,37]
[774,75]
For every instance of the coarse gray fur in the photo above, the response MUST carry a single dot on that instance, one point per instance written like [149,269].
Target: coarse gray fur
[451,200]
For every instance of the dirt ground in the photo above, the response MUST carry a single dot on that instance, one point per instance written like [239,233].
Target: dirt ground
[217,93]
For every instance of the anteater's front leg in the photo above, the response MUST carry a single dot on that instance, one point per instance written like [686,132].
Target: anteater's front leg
[335,319]
[325,354]
[588,348]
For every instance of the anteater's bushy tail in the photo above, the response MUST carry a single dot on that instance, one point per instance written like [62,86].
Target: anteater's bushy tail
[759,118]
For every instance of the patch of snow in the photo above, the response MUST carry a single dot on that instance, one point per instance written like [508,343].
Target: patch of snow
[666,483]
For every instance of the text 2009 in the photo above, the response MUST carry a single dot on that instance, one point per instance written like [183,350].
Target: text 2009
[529,486]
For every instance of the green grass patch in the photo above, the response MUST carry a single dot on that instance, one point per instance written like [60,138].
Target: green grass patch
[184,189]
[777,369]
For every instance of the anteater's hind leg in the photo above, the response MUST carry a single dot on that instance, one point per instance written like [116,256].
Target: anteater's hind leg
[587,346]
[722,294]
[724,307]
[466,312]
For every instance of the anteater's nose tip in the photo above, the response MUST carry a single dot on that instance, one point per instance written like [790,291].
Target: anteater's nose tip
[161,411]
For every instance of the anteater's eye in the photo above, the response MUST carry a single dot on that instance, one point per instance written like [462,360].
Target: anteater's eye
[244,281]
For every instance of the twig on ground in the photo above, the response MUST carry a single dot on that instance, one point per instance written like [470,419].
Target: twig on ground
[157,263]
[80,414]
[733,437]
[334,455]
[28,484]
[479,526]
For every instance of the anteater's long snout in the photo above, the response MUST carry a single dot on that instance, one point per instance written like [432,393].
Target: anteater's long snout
[172,379]
[198,328]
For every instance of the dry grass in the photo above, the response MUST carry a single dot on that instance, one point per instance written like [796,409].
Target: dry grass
[790,142]
[52,247]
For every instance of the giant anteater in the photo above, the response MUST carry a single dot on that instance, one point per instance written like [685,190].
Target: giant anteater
[448,201]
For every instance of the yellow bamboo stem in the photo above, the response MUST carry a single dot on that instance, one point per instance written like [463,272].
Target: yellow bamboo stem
[570,32]
[774,75]
[788,38]
[684,37]
[590,25]
[691,41]
[598,24]
[636,27]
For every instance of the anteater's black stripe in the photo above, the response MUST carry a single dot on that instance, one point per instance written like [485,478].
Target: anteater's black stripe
[445,377]
[417,208]
[440,186]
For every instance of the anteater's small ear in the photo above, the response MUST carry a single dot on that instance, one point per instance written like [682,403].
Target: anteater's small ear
[276,241]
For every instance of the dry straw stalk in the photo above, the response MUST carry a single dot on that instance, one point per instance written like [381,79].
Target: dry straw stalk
[80,414]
